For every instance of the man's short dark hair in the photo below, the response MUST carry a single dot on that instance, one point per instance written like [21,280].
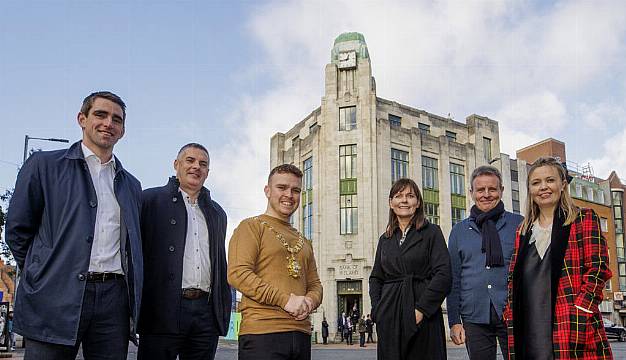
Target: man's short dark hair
[89,100]
[192,145]
[485,170]
[285,169]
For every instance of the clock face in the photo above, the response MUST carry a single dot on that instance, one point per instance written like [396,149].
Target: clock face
[347,60]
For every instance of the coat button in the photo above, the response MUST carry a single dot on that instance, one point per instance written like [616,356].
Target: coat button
[174,199]
[81,277]
[93,204]
[89,239]
[173,221]
[171,248]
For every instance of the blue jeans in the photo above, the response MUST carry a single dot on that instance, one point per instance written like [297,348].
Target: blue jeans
[104,329]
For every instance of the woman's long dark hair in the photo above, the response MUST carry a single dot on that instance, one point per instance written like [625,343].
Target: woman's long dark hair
[418,218]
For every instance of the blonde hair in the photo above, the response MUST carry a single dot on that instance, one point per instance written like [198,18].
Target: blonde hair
[566,204]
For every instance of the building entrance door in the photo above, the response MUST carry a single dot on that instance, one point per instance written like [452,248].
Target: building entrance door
[349,293]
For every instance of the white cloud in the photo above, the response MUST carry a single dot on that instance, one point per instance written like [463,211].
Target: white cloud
[527,65]
[613,157]
[601,116]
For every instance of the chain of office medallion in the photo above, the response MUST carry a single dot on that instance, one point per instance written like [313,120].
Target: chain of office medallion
[292,250]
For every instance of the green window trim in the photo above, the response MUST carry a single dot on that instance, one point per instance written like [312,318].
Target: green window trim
[307,197]
[458,201]
[431,196]
[347,186]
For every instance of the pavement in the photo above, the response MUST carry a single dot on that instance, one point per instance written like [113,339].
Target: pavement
[227,350]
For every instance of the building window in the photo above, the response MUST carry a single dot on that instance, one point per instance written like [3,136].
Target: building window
[604,224]
[424,128]
[395,120]
[515,198]
[307,199]
[457,179]
[430,178]
[579,190]
[451,135]
[619,244]
[399,164]
[347,162]
[617,197]
[487,149]
[348,209]
[347,118]
[432,212]
[458,215]
[514,175]
[348,214]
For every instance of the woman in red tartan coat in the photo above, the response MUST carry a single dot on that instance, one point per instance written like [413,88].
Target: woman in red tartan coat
[557,274]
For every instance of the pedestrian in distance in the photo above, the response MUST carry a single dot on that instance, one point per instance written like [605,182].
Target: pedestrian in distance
[480,249]
[557,273]
[348,331]
[325,331]
[369,329]
[273,266]
[340,324]
[409,280]
[361,330]
[73,228]
[186,299]
[355,315]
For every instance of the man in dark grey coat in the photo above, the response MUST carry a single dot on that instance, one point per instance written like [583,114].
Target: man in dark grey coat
[186,299]
[73,228]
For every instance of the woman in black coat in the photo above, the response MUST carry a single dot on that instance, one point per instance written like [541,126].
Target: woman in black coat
[410,279]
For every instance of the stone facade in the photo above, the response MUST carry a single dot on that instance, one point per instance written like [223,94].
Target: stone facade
[348,193]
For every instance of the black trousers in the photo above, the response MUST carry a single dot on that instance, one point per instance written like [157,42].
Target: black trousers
[369,337]
[292,345]
[197,339]
[480,339]
[361,339]
[103,331]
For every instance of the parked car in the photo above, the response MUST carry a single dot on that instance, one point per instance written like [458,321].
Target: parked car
[614,331]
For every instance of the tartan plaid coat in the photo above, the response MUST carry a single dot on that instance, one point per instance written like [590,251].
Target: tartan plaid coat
[580,268]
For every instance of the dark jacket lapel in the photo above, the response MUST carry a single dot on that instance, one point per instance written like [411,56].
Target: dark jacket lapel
[559,241]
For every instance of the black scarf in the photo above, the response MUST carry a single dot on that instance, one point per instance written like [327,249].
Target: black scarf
[486,222]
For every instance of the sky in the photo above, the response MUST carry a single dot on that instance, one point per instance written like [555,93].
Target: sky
[230,74]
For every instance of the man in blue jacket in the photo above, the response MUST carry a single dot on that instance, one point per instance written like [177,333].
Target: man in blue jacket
[480,249]
[186,299]
[73,228]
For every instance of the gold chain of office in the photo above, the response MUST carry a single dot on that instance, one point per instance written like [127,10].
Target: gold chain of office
[293,266]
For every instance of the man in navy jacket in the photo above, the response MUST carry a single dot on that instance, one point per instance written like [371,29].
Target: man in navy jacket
[480,252]
[73,228]
[186,300]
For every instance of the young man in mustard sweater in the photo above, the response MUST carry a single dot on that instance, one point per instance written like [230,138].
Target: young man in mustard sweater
[273,266]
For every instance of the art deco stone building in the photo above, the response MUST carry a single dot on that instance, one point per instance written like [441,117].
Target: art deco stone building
[353,147]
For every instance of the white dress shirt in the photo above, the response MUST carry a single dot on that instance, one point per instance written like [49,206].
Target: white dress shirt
[197,260]
[105,250]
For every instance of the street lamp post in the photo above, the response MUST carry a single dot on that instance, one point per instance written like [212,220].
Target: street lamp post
[27,138]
